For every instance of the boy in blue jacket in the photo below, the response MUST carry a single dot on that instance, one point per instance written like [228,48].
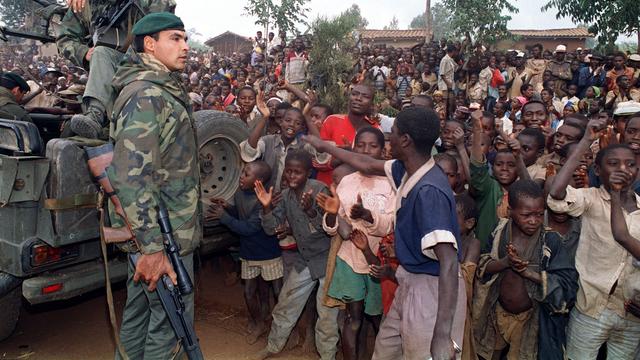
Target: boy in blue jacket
[260,254]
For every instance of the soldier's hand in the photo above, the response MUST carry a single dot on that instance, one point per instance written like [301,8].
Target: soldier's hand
[76,5]
[150,269]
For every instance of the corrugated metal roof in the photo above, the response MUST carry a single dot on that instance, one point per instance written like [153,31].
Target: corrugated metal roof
[553,33]
[420,33]
[393,34]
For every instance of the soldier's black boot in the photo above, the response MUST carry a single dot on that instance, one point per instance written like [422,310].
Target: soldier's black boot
[89,124]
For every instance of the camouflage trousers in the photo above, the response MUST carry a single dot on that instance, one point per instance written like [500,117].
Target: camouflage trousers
[103,65]
[146,332]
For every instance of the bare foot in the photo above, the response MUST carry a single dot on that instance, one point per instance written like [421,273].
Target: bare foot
[294,339]
[257,333]
[251,327]
[309,346]
[261,355]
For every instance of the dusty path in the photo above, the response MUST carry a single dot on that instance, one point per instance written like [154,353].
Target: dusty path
[79,329]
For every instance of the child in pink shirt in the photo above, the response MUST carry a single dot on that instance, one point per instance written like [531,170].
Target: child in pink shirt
[366,215]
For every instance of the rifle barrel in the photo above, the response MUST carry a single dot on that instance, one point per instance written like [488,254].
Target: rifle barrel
[43,38]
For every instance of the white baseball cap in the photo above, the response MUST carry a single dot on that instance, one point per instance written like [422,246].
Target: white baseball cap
[634,57]
[561,48]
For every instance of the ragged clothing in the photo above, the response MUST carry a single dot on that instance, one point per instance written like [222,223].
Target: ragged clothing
[78,28]
[313,243]
[155,153]
[557,289]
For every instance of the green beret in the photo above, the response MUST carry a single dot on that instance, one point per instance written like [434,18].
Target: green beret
[156,22]
[12,80]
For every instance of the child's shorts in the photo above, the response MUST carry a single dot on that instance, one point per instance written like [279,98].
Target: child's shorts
[271,269]
[349,286]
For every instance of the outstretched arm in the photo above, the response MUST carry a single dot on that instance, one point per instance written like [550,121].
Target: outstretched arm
[363,163]
[559,185]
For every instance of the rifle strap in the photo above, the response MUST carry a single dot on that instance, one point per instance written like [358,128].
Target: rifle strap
[107,278]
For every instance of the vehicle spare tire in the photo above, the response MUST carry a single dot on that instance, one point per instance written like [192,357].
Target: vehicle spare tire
[219,137]
[10,304]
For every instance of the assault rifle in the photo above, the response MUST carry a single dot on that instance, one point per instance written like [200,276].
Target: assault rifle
[99,158]
[171,296]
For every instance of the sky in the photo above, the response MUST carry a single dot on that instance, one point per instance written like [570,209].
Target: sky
[208,18]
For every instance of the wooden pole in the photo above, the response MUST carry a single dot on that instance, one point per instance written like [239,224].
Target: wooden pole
[427,21]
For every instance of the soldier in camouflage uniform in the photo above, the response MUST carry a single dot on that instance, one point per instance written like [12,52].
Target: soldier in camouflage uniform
[12,89]
[155,158]
[89,40]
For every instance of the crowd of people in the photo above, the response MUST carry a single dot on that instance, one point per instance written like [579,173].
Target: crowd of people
[470,199]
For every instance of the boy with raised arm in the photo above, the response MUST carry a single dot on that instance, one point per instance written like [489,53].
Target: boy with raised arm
[605,267]
[428,313]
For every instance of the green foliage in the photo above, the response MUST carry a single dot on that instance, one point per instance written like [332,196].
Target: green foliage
[285,16]
[486,21]
[441,23]
[393,25]
[331,63]
[354,11]
[608,18]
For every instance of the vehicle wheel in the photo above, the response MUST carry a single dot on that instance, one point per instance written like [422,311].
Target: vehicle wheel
[219,137]
[10,303]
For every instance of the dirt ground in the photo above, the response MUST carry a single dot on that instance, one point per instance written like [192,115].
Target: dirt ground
[79,328]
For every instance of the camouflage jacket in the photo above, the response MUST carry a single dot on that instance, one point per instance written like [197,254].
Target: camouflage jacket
[155,153]
[9,108]
[77,29]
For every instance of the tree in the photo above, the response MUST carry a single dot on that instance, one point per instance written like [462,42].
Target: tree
[193,43]
[284,16]
[486,20]
[354,11]
[393,25]
[441,22]
[608,18]
[332,65]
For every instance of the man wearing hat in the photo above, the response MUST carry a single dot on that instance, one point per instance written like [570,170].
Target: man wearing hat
[155,159]
[45,94]
[591,75]
[560,70]
[90,39]
[12,89]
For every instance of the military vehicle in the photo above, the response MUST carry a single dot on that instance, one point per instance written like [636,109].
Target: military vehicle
[49,233]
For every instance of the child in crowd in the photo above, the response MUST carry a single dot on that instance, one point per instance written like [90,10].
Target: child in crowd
[467,220]
[366,213]
[448,144]
[604,266]
[300,209]
[525,266]
[532,143]
[591,102]
[259,252]
[273,148]
[449,166]
[491,191]
[567,133]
